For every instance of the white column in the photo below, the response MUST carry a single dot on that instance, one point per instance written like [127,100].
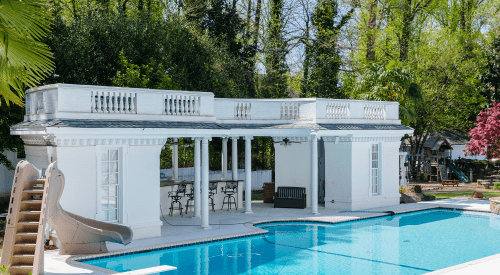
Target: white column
[224,158]
[175,159]
[248,174]
[235,158]
[204,184]
[314,174]
[197,170]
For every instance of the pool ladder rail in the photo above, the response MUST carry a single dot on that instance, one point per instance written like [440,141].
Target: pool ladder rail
[24,233]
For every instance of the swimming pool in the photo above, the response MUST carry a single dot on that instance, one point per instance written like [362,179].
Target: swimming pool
[412,243]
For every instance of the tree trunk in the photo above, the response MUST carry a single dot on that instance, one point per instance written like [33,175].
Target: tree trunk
[372,24]
[404,42]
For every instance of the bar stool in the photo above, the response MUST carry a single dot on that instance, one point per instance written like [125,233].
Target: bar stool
[190,196]
[230,191]
[212,190]
[176,197]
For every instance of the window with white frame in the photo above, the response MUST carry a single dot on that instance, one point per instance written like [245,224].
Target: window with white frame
[375,168]
[109,184]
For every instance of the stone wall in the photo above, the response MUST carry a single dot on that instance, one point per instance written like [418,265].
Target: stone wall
[495,205]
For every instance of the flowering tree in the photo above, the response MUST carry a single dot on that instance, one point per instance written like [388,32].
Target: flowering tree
[486,135]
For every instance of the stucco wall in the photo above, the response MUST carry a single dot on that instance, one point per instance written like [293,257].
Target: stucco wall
[338,174]
[293,167]
[347,175]
[78,165]
[143,190]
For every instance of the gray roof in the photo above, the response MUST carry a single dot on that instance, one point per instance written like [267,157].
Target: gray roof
[77,123]
[436,142]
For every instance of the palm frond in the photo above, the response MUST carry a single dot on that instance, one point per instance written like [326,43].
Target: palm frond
[24,61]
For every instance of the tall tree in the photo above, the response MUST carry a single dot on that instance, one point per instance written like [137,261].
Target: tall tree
[24,60]
[491,75]
[324,57]
[409,10]
[275,83]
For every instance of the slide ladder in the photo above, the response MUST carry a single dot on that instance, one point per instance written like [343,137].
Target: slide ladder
[24,233]
[461,175]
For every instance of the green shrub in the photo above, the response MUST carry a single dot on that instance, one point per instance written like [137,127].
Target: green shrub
[2,228]
[417,189]
[497,186]
[402,189]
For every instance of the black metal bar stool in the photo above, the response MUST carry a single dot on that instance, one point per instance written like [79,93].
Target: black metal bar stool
[176,197]
[212,190]
[190,196]
[230,191]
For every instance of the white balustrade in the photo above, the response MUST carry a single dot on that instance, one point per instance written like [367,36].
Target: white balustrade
[181,105]
[337,110]
[113,102]
[374,111]
[289,111]
[67,101]
[243,110]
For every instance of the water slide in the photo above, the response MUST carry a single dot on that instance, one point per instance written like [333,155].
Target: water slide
[461,175]
[79,235]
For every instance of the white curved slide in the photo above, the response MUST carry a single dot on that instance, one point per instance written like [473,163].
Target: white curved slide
[79,235]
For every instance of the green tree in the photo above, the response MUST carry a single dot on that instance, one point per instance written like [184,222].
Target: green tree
[275,80]
[24,60]
[390,82]
[323,55]
[10,115]
[491,75]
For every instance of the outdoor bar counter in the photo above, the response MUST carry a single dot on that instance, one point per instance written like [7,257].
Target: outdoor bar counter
[167,186]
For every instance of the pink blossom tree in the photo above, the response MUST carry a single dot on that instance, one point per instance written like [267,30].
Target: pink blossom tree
[486,135]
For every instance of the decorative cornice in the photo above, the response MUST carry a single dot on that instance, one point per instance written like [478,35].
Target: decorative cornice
[360,139]
[39,140]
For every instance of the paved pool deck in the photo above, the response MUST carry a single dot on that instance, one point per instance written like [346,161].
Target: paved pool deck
[186,229]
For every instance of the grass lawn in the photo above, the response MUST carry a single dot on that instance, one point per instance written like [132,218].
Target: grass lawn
[440,195]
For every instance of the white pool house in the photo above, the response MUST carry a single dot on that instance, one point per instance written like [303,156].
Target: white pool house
[107,142]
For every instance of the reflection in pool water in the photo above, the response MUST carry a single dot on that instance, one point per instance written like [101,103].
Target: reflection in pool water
[413,243]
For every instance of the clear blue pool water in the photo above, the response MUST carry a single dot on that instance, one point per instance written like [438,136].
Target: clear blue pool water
[413,243]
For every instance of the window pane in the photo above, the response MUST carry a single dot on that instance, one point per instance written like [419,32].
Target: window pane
[113,154]
[105,192]
[104,167]
[113,178]
[112,214]
[112,202]
[106,215]
[112,191]
[104,155]
[105,179]
[113,166]
[104,203]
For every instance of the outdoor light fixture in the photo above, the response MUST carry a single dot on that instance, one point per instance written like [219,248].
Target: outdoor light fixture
[287,142]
